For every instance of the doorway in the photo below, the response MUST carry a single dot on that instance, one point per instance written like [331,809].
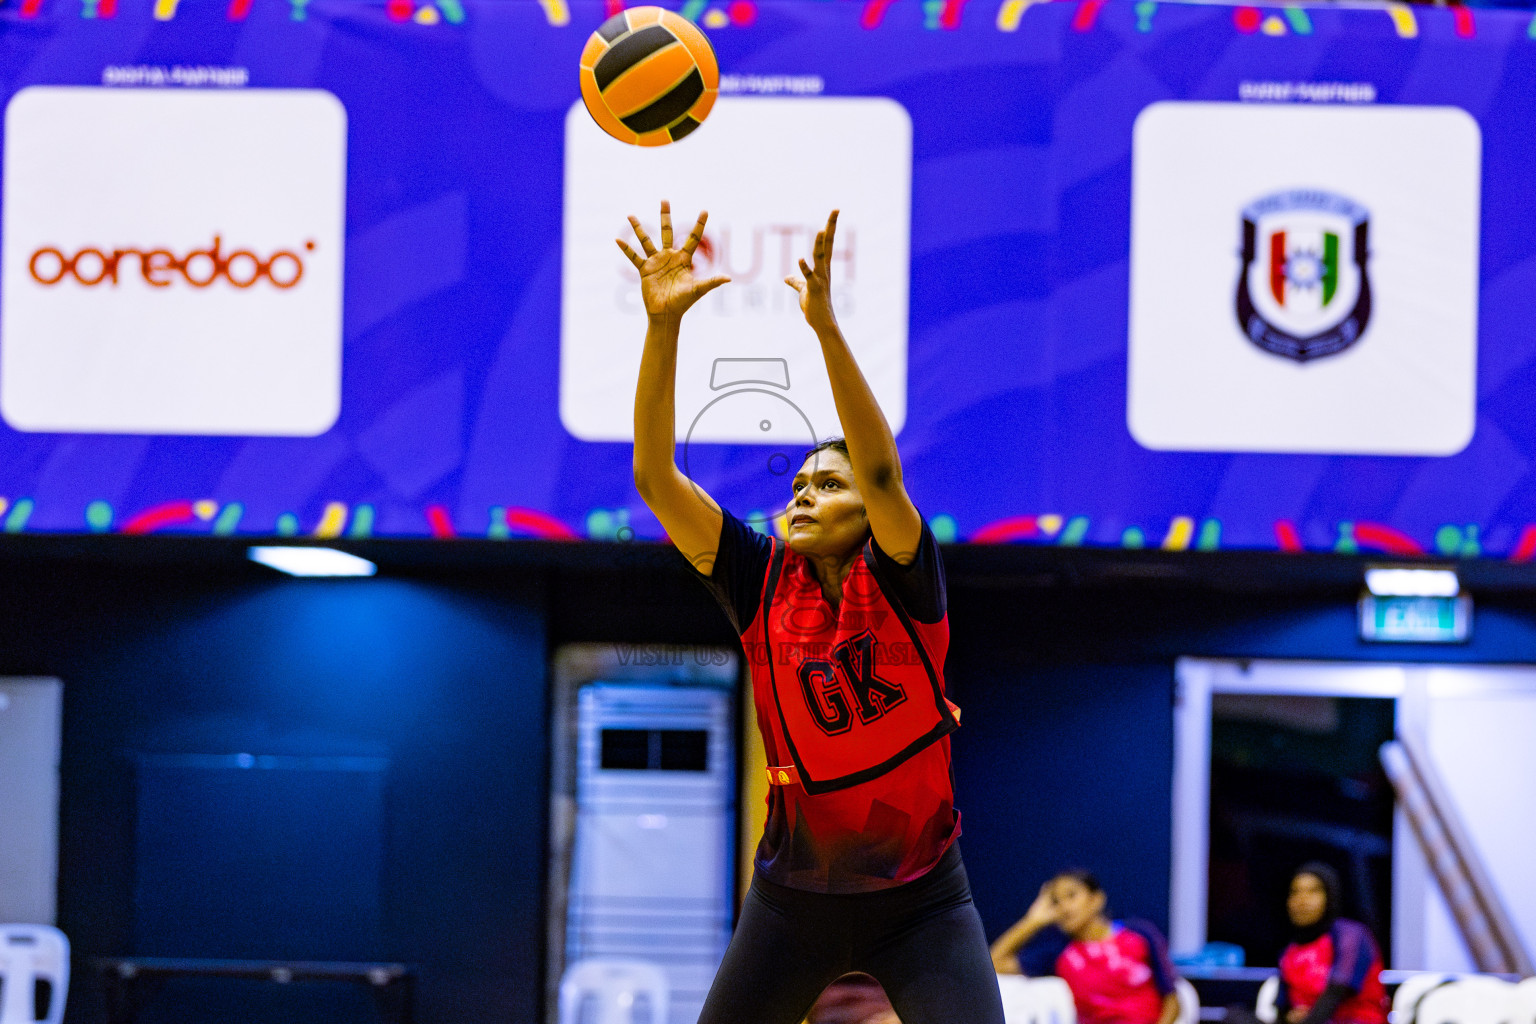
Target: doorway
[1271,768]
[1296,778]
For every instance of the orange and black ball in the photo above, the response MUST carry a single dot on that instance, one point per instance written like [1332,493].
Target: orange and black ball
[648,76]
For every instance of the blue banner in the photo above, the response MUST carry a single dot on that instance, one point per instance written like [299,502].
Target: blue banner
[1122,273]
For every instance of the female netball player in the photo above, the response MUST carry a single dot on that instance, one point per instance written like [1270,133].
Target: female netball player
[1118,971]
[845,628]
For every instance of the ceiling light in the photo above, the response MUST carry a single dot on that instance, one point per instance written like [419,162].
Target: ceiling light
[1397,582]
[308,561]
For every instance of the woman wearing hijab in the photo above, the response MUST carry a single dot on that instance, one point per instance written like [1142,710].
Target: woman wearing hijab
[1331,971]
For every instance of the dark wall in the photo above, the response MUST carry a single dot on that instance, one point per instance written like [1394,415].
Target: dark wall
[446,681]
[1061,766]
[1065,756]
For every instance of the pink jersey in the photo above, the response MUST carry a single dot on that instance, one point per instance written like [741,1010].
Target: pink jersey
[1118,980]
[1344,955]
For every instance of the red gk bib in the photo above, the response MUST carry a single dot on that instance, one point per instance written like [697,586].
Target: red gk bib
[854,688]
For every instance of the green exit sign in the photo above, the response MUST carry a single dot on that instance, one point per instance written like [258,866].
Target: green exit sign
[1416,620]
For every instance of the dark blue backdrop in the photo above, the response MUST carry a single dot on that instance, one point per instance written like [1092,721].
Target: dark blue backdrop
[445,683]
[1065,756]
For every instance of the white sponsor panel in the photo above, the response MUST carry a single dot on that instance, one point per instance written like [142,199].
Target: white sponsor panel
[172,261]
[768,170]
[1304,278]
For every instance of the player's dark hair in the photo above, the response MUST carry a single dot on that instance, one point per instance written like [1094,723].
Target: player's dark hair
[837,444]
[1082,876]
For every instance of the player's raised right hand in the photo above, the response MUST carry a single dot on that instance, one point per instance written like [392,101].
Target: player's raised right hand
[667,284]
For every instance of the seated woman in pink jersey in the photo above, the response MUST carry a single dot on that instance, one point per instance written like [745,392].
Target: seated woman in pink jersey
[1118,971]
[1331,971]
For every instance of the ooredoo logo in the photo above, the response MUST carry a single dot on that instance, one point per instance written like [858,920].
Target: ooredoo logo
[197,287]
[160,267]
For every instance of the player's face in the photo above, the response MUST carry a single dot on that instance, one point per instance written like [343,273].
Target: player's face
[1308,900]
[826,515]
[1076,906]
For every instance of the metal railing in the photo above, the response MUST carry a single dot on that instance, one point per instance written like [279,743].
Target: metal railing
[1453,859]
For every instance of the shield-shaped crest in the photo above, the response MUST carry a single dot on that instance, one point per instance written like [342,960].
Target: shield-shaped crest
[1304,291]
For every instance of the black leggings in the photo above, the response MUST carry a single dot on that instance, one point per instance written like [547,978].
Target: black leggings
[922,941]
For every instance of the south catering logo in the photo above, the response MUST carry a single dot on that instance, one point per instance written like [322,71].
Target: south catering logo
[1304,292]
[160,267]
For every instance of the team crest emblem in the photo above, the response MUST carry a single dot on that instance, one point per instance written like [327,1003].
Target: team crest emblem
[1304,292]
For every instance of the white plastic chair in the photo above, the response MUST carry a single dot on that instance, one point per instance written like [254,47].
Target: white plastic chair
[1473,1000]
[1265,1007]
[1405,1001]
[1018,1008]
[29,952]
[1055,999]
[1525,1002]
[1036,1000]
[1189,1002]
[615,986]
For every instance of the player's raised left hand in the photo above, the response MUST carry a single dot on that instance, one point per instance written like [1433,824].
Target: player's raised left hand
[667,284]
[815,287]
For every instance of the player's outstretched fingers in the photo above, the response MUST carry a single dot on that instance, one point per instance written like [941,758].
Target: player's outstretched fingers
[697,234]
[831,233]
[645,239]
[708,286]
[666,224]
[634,257]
